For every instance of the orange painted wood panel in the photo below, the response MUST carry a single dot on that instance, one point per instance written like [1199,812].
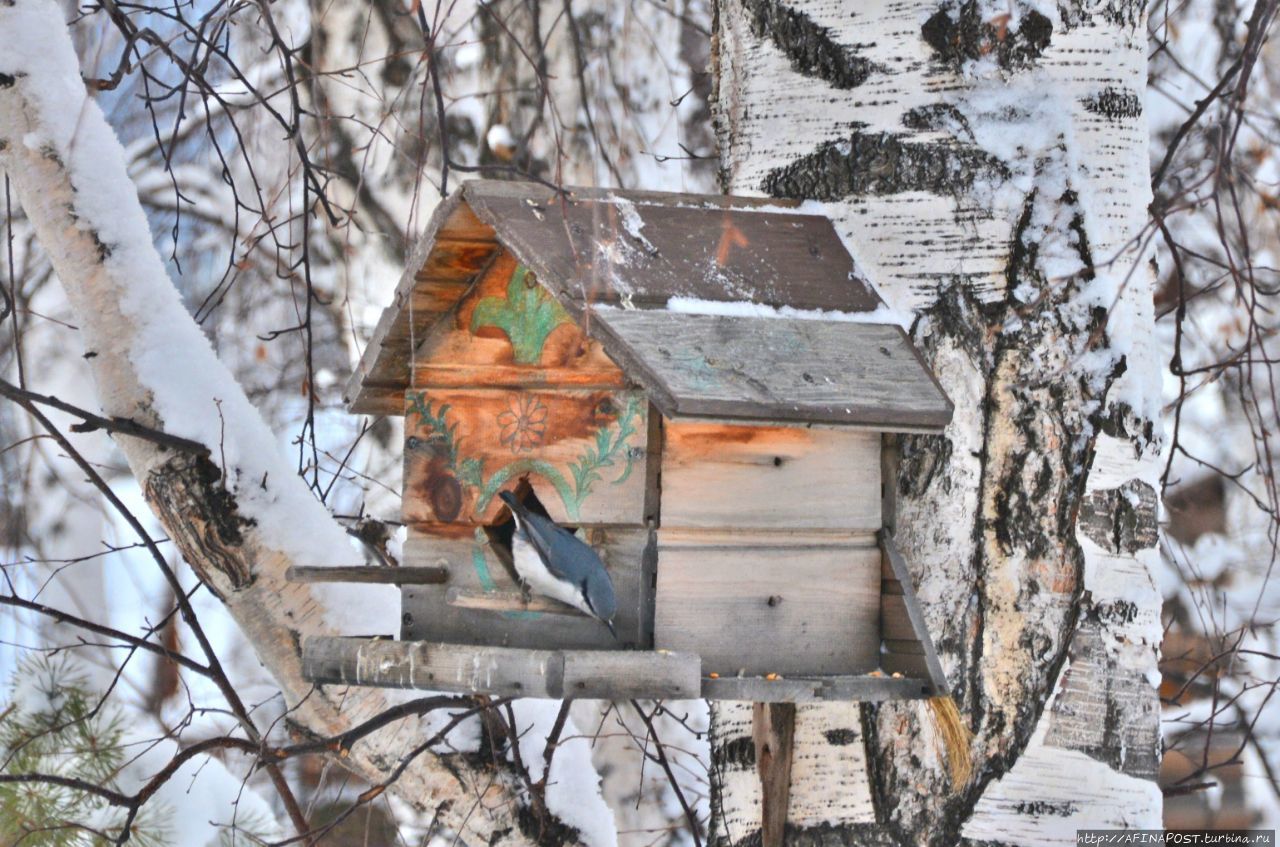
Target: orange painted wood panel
[509,331]
[584,453]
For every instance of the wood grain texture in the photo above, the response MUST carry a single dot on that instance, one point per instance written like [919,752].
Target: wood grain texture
[913,654]
[503,671]
[381,575]
[773,729]
[776,369]
[644,247]
[811,608]
[583,452]
[430,285]
[863,688]
[773,478]
[483,604]
[461,351]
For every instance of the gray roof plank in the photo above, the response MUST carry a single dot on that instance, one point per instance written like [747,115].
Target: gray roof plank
[604,246]
[780,369]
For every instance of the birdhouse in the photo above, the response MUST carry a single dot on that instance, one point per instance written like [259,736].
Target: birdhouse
[702,388]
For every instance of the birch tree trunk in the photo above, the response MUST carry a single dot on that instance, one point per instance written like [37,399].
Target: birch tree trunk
[987,164]
[239,516]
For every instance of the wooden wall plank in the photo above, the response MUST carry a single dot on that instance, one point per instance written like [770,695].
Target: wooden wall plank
[482,602]
[503,671]
[766,477]
[812,609]
[384,365]
[583,452]
[776,369]
[479,350]
[895,623]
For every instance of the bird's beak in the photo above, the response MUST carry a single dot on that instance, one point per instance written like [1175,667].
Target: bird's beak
[613,631]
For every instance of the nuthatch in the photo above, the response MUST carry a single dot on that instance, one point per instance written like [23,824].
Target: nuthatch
[554,562]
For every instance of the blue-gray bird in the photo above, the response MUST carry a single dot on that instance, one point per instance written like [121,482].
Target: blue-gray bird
[554,562]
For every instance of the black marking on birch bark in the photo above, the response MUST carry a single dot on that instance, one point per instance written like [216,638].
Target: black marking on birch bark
[938,117]
[203,520]
[923,458]
[1098,700]
[811,48]
[841,737]
[1122,520]
[828,835]
[550,832]
[1122,421]
[881,163]
[1041,808]
[8,80]
[1114,103]
[739,752]
[1040,417]
[1124,13]
[959,34]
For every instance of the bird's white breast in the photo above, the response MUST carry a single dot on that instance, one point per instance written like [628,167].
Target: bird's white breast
[531,569]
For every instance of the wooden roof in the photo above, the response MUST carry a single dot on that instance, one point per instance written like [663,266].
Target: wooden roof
[623,255]
[717,366]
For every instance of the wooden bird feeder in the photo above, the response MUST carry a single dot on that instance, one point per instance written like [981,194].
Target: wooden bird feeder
[597,353]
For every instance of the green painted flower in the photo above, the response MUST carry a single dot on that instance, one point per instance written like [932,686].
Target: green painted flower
[528,315]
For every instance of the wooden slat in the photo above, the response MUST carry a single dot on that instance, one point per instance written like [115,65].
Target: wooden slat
[910,666]
[506,601]
[455,260]
[810,609]
[787,478]
[775,369]
[732,539]
[863,687]
[895,623]
[550,439]
[904,655]
[500,671]
[461,352]
[384,363]
[618,675]
[604,246]
[381,575]
[482,604]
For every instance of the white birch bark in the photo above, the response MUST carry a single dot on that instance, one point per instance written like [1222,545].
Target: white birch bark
[987,164]
[242,518]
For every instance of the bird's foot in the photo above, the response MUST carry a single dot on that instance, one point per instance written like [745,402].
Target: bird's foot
[526,593]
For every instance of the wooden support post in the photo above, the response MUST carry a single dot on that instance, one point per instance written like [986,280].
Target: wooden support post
[773,728]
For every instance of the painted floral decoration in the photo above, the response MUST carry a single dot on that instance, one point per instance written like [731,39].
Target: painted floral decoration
[524,425]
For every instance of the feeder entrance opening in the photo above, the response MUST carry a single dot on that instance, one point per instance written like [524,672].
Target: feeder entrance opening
[500,534]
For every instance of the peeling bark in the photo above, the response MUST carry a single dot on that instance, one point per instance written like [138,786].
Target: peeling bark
[993,176]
